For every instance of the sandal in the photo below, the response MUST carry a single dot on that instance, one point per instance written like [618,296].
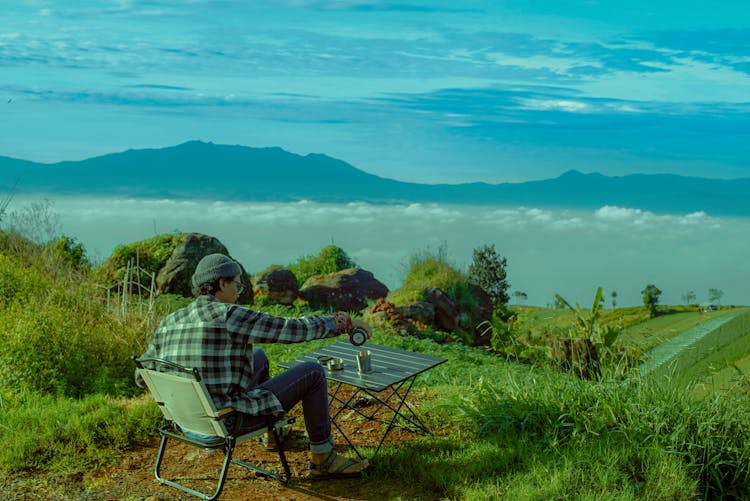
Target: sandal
[325,470]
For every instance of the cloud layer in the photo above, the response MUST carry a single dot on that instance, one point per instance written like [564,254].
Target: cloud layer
[548,252]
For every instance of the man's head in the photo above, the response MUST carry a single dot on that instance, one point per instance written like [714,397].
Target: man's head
[214,273]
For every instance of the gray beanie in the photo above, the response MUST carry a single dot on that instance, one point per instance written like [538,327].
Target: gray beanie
[215,266]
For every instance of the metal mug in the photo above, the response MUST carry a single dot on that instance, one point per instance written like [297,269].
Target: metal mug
[336,364]
[364,361]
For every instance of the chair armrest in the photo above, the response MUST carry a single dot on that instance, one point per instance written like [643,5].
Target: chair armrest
[223,412]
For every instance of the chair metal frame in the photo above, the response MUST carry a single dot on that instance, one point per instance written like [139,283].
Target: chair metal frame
[201,416]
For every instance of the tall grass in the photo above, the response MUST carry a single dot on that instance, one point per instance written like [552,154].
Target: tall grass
[64,435]
[64,364]
[711,437]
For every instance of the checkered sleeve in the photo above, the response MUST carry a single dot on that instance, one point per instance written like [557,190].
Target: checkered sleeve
[259,327]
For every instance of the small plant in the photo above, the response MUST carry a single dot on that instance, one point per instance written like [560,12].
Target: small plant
[330,259]
[588,328]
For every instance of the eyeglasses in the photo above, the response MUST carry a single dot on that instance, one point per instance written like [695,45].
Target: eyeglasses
[240,286]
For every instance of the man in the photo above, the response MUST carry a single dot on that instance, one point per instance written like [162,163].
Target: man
[216,336]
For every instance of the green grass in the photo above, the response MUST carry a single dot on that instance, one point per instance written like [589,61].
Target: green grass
[508,430]
[64,435]
[653,332]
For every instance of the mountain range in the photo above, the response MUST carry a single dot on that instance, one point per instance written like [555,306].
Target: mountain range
[201,170]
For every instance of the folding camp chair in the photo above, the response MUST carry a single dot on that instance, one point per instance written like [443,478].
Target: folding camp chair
[188,409]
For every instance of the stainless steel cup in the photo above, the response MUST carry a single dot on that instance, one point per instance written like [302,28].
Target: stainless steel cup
[364,361]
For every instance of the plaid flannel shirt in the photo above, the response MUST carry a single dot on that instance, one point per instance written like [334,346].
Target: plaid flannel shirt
[217,338]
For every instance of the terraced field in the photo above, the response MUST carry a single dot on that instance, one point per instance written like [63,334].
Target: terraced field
[713,353]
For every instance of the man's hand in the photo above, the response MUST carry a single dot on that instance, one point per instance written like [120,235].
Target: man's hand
[342,323]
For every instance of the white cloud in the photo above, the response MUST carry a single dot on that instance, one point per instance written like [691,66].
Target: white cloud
[548,251]
[566,105]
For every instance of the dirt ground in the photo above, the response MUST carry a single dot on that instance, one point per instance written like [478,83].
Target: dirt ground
[133,477]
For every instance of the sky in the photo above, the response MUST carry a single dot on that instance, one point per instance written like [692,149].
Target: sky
[424,91]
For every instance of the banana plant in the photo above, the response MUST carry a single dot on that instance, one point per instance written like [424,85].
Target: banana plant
[587,322]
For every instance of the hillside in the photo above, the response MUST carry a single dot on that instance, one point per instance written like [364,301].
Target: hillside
[201,170]
[76,427]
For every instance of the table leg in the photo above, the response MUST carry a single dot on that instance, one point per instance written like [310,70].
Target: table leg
[382,403]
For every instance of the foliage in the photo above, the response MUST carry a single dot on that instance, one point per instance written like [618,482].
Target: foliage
[432,269]
[71,252]
[150,255]
[66,397]
[330,259]
[688,297]
[587,323]
[36,222]
[651,295]
[58,335]
[488,270]
[714,295]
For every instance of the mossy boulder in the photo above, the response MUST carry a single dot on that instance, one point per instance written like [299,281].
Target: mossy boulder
[164,263]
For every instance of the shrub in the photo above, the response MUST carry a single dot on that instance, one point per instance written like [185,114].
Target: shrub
[429,269]
[150,255]
[71,252]
[329,260]
[61,337]
[432,269]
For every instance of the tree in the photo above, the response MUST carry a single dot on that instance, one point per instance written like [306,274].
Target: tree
[614,299]
[520,296]
[70,251]
[688,298]
[487,270]
[714,295]
[651,295]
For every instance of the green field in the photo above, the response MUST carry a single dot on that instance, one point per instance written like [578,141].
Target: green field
[508,430]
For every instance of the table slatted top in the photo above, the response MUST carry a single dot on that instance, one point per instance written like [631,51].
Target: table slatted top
[389,365]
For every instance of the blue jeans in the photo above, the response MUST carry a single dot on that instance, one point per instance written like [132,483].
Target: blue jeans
[304,383]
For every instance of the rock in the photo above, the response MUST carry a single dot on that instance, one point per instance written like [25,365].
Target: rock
[174,277]
[481,316]
[277,285]
[446,309]
[345,290]
[419,311]
[386,314]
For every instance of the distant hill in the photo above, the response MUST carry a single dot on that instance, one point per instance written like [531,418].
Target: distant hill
[200,170]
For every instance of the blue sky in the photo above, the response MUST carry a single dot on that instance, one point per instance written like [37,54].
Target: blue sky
[426,91]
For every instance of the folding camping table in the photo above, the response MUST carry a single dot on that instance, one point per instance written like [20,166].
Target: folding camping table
[389,381]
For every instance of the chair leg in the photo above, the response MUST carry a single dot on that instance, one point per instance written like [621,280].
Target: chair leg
[209,497]
[285,464]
